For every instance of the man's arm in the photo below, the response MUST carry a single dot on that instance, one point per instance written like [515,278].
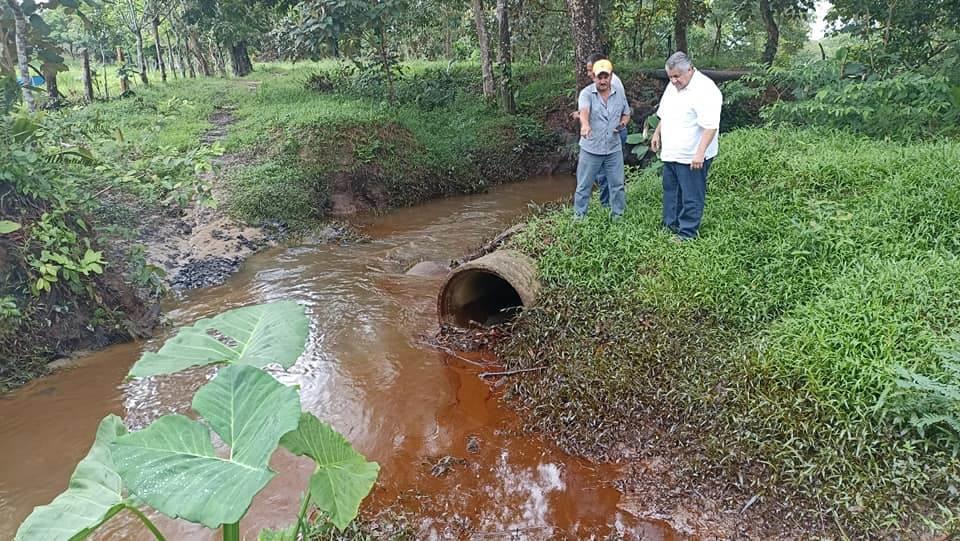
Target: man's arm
[705,141]
[585,130]
[707,109]
[655,140]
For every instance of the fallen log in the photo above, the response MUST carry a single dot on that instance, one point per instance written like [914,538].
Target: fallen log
[717,75]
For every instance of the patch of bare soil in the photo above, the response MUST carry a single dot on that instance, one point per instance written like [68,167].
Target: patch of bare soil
[201,246]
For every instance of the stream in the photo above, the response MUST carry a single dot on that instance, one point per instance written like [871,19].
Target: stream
[452,453]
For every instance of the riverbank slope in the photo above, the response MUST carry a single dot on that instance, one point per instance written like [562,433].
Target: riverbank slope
[791,364]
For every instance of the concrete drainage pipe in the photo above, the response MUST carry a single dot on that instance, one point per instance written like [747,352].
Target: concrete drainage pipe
[488,290]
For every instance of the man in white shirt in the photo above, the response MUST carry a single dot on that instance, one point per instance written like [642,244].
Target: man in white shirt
[686,138]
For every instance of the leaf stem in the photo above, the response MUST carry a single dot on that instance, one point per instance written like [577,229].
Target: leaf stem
[231,532]
[303,512]
[147,522]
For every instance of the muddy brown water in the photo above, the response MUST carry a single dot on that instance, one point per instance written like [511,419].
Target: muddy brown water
[369,371]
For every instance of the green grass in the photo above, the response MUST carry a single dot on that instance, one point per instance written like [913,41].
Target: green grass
[768,345]
[440,138]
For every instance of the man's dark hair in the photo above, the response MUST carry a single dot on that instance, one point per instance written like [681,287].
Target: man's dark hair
[592,59]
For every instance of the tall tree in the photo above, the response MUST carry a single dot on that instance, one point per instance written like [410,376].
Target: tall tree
[681,20]
[911,32]
[20,29]
[486,67]
[504,64]
[155,24]
[134,14]
[773,32]
[584,27]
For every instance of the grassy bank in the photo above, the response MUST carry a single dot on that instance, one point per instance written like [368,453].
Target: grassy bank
[767,351]
[329,140]
[311,131]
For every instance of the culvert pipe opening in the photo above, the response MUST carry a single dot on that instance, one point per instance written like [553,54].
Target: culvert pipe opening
[488,290]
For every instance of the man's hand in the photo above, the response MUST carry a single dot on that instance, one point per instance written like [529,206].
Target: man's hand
[697,162]
[585,131]
[575,115]
[655,142]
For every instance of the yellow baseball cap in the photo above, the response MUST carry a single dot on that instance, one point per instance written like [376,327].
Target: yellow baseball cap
[602,66]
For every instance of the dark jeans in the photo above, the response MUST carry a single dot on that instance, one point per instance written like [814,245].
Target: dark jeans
[684,193]
[602,179]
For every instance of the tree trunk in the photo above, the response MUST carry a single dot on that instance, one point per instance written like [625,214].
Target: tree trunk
[680,22]
[124,82]
[217,52]
[189,59]
[773,33]
[156,40]
[183,52]
[584,27]
[87,81]
[20,30]
[171,57]
[141,59]
[447,40]
[504,62]
[106,82]
[53,91]
[240,60]
[199,55]
[484,38]
[718,25]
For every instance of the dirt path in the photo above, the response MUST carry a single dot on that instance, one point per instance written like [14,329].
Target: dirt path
[202,246]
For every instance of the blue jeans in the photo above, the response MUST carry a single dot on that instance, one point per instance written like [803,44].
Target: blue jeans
[611,167]
[602,179]
[684,194]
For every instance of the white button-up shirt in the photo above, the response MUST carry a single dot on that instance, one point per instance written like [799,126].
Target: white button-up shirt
[685,114]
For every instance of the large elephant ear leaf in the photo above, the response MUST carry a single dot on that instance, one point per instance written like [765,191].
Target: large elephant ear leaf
[342,478]
[172,465]
[254,335]
[95,494]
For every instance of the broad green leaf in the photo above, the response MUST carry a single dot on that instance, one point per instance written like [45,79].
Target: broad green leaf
[343,477]
[640,150]
[635,138]
[93,495]
[250,410]
[6,226]
[37,22]
[258,335]
[172,465]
